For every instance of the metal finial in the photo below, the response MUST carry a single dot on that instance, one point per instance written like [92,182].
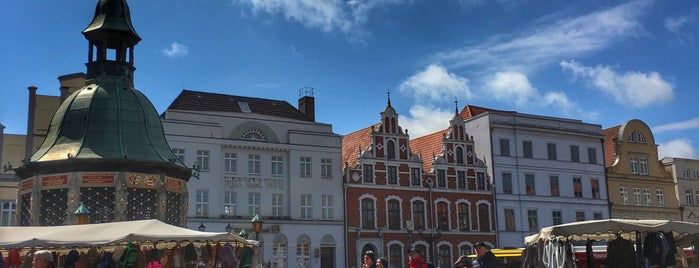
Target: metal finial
[388,93]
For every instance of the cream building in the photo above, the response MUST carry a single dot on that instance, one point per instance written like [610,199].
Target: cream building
[639,186]
[686,175]
[13,147]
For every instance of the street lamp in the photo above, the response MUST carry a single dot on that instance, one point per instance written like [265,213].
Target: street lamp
[257,223]
[82,214]
[243,233]
[202,227]
[229,228]
[409,225]
[434,232]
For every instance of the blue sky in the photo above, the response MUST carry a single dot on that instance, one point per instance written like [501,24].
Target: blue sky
[603,62]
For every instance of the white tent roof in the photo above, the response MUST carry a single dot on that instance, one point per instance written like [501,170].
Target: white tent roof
[608,229]
[106,234]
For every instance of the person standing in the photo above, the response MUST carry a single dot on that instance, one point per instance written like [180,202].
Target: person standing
[415,259]
[485,258]
[369,259]
[42,259]
[381,263]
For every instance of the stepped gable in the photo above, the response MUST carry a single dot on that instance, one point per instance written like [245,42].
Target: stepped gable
[214,102]
[610,137]
[428,146]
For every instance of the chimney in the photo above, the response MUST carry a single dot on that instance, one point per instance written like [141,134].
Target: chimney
[307,103]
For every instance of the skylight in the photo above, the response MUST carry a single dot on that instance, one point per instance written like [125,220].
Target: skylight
[244,106]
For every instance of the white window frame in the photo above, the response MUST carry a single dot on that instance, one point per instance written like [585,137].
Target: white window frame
[179,153]
[306,206]
[638,196]
[660,194]
[277,205]
[8,212]
[643,165]
[202,203]
[689,197]
[305,166]
[634,164]
[326,168]
[230,163]
[203,160]
[254,164]
[229,203]
[327,207]
[254,203]
[647,197]
[277,165]
[624,191]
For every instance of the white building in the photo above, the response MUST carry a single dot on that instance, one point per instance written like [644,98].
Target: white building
[686,175]
[546,170]
[260,156]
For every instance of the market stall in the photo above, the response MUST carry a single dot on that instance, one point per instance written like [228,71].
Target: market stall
[630,243]
[155,240]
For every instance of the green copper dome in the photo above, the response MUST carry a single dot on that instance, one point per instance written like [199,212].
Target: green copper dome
[106,121]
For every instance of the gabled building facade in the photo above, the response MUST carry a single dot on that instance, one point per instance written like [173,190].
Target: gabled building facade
[262,157]
[545,170]
[639,185]
[686,175]
[398,198]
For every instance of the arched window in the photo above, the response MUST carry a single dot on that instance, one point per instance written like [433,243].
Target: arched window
[459,155]
[367,213]
[445,259]
[279,250]
[393,214]
[390,149]
[419,214]
[484,217]
[395,256]
[443,216]
[303,251]
[464,214]
[465,250]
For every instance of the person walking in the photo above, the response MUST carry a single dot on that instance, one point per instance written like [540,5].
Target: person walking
[486,258]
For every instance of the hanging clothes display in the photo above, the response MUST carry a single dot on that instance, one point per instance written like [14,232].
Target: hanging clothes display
[621,253]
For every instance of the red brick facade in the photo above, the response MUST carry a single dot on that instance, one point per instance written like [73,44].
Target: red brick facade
[380,206]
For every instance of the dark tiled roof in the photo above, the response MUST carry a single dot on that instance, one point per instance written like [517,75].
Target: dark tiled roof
[470,111]
[427,146]
[610,136]
[214,102]
[353,142]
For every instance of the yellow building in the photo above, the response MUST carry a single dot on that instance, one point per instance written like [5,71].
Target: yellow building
[13,147]
[639,186]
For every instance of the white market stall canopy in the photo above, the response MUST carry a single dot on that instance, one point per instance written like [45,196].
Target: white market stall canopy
[608,229]
[103,234]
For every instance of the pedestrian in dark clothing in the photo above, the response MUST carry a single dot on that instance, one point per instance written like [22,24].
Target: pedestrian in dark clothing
[485,258]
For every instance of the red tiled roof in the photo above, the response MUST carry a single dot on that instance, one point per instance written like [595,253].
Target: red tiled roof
[353,142]
[214,102]
[610,136]
[470,111]
[427,146]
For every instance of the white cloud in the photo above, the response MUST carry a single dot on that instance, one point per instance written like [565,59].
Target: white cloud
[544,44]
[511,87]
[514,87]
[424,120]
[635,89]
[176,50]
[689,124]
[674,24]
[436,84]
[326,15]
[681,148]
